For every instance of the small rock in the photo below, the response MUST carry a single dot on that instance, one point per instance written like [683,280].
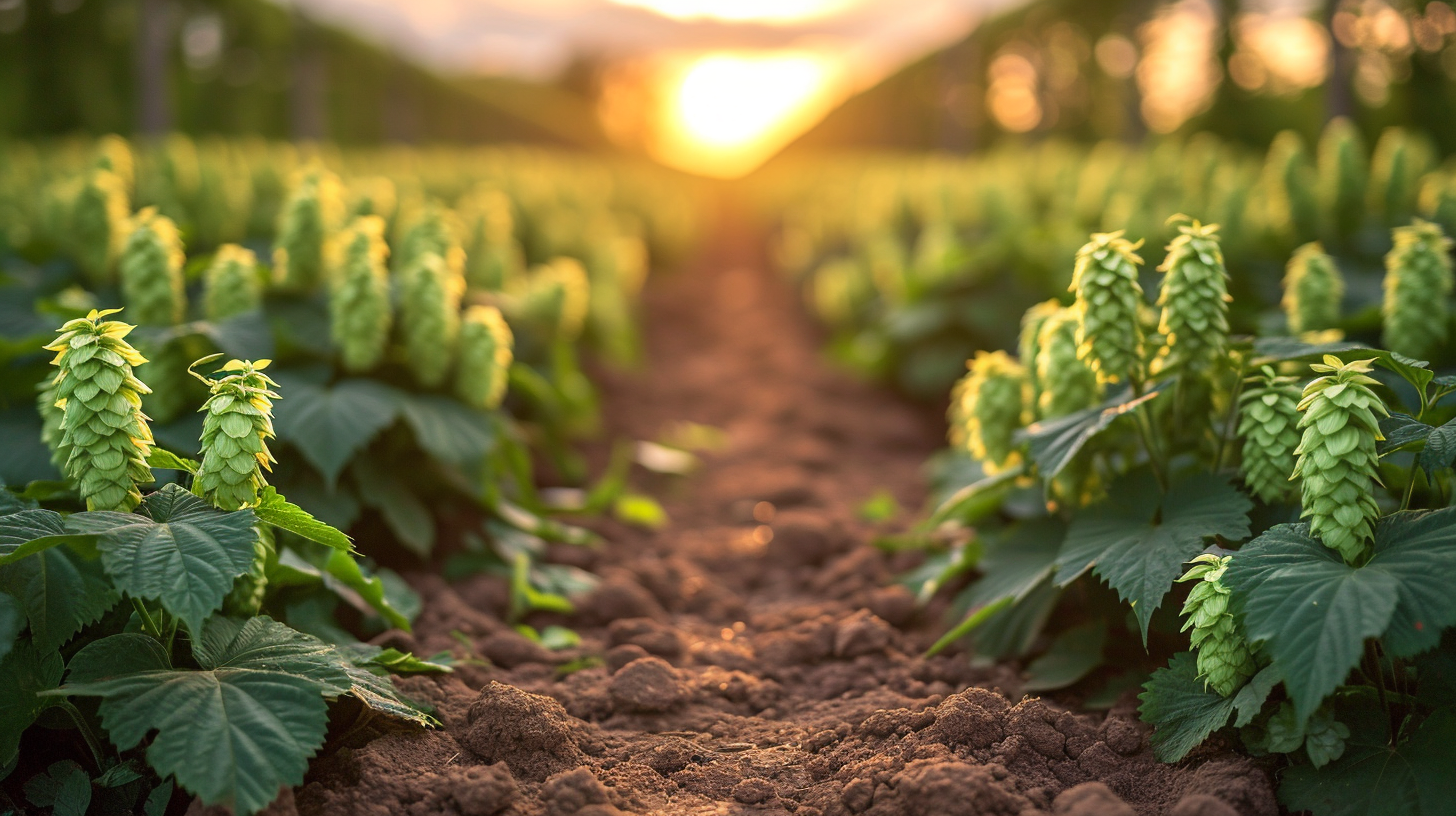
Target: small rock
[1090,799]
[619,656]
[860,634]
[753,791]
[648,684]
[651,635]
[1122,735]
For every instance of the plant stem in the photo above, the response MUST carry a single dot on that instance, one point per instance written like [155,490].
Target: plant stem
[1230,420]
[92,741]
[148,625]
[1410,487]
[1373,655]
[1144,423]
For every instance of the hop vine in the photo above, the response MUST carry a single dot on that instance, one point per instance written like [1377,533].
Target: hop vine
[1225,661]
[430,318]
[1109,337]
[485,358]
[359,310]
[987,408]
[1417,285]
[235,434]
[231,285]
[1313,289]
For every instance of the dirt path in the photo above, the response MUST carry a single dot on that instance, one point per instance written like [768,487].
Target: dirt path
[750,665]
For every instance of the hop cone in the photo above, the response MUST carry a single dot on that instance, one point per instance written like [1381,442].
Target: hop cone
[1342,174]
[372,196]
[986,409]
[434,230]
[1288,186]
[313,211]
[1109,338]
[429,312]
[235,435]
[1194,298]
[485,357]
[493,258]
[1337,460]
[1417,286]
[1028,346]
[151,271]
[556,297]
[359,311]
[1313,289]
[103,428]
[1067,384]
[114,155]
[1268,424]
[52,429]
[99,222]
[1393,177]
[231,284]
[1225,661]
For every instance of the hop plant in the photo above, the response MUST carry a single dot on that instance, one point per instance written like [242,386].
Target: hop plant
[1194,298]
[1268,424]
[1225,661]
[151,271]
[987,407]
[114,155]
[556,297]
[1417,285]
[311,213]
[1337,460]
[1288,186]
[485,357]
[53,418]
[245,599]
[1067,384]
[1313,289]
[372,196]
[1109,338]
[434,230]
[1342,175]
[99,222]
[235,434]
[1028,346]
[429,312]
[231,286]
[1393,175]
[359,310]
[103,427]
[493,258]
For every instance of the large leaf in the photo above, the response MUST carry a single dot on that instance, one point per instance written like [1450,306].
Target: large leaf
[176,549]
[1440,450]
[65,788]
[1272,350]
[1418,550]
[115,656]
[23,457]
[24,674]
[449,430]
[1311,610]
[1139,548]
[1181,707]
[264,644]
[1055,442]
[12,621]
[1013,564]
[344,568]
[1374,779]
[975,500]
[275,510]
[1402,432]
[1071,656]
[330,424]
[28,532]
[60,591]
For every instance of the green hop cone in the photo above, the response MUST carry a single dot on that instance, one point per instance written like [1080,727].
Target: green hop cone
[99,222]
[1342,169]
[429,318]
[231,285]
[485,358]
[151,271]
[1067,384]
[359,309]
[1268,424]
[556,297]
[312,212]
[434,229]
[1028,346]
[372,196]
[1109,337]
[235,435]
[1225,661]
[1194,298]
[113,154]
[493,258]
[1313,290]
[1417,286]
[245,599]
[103,427]
[1287,184]
[987,408]
[53,418]
[1337,460]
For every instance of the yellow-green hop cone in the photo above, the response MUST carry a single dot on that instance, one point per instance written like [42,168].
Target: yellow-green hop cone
[1417,286]
[1109,338]
[1067,384]
[100,224]
[372,196]
[1028,345]
[103,426]
[151,271]
[114,155]
[1313,290]
[492,256]
[1337,460]
[52,429]
[1269,426]
[556,298]
[1194,299]
[235,435]
[429,318]
[310,215]
[1394,169]
[1288,184]
[359,309]
[987,408]
[1225,661]
[231,285]
[485,358]
[1342,175]
[436,230]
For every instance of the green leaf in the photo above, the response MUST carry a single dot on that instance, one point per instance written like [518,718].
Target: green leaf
[28,532]
[407,516]
[176,549]
[330,424]
[167,460]
[275,510]
[968,625]
[1418,550]
[1055,442]
[380,694]
[1402,432]
[117,655]
[245,336]
[640,511]
[60,591]
[159,798]
[263,644]
[1440,450]
[1072,656]
[542,527]
[450,431]
[1373,779]
[24,674]
[12,621]
[975,500]
[1416,372]
[382,661]
[1272,350]
[1119,540]
[1181,708]
[64,788]
[1312,611]
[1250,699]
[343,567]
[1015,562]
[12,503]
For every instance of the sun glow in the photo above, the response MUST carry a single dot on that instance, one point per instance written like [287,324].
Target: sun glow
[742,11]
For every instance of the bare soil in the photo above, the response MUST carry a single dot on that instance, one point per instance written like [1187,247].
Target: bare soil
[763,665]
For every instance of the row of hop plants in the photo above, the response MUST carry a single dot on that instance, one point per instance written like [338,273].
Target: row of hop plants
[910,260]
[1298,483]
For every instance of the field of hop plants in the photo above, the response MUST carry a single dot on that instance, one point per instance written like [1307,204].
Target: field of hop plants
[384,480]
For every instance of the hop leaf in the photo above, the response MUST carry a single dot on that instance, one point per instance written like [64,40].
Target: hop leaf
[359,312]
[235,435]
[1109,337]
[1067,384]
[1225,661]
[312,212]
[231,284]
[151,271]
[987,407]
[1417,285]
[485,358]
[1313,289]
[1268,424]
[430,317]
[1028,347]
[99,221]
[1194,298]
[103,427]
[1337,458]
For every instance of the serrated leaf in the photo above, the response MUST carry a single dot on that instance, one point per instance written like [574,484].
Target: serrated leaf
[1402,432]
[1118,539]
[167,460]
[975,500]
[383,661]
[379,694]
[1181,707]
[449,430]
[275,510]
[28,532]
[1418,550]
[24,674]
[1054,443]
[1015,562]
[1312,611]
[1250,699]
[12,503]
[330,424]
[117,655]
[176,549]
[263,644]
[1374,779]
[1072,656]
[64,788]
[60,591]
[1440,450]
